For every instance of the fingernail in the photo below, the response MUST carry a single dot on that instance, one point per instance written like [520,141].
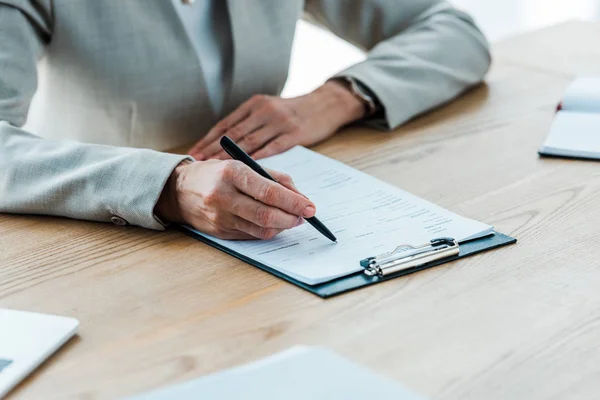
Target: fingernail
[309,212]
[299,222]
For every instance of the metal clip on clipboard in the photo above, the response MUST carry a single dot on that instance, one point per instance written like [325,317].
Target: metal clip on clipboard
[407,256]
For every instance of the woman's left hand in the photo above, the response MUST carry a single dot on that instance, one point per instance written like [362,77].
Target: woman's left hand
[267,125]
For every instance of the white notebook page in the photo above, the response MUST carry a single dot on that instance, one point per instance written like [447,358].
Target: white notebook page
[583,95]
[575,131]
[574,134]
[368,217]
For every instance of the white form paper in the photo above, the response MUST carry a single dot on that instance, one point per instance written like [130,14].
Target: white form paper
[368,217]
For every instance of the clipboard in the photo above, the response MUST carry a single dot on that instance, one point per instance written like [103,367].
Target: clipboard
[403,260]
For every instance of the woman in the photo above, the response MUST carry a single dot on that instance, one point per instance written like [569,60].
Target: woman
[121,81]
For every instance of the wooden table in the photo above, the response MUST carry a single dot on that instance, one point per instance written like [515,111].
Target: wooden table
[522,322]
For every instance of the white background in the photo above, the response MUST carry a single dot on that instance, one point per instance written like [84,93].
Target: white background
[317,54]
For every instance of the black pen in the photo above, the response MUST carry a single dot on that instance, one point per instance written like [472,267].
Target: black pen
[238,154]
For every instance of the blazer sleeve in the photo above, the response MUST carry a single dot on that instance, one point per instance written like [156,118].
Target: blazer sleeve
[421,53]
[70,179]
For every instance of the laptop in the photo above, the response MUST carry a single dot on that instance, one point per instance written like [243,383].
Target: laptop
[26,340]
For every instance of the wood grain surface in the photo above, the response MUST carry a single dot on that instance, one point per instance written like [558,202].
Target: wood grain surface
[522,322]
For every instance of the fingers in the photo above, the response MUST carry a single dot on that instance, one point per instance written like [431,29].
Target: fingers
[221,155]
[257,139]
[229,200]
[278,145]
[285,180]
[263,215]
[235,133]
[221,224]
[255,231]
[241,229]
[248,117]
[255,221]
[237,115]
[252,142]
[272,193]
[232,235]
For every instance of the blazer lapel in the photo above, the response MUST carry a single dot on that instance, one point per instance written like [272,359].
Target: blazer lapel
[244,52]
[262,35]
[193,60]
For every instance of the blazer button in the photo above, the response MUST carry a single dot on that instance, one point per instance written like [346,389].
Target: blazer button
[118,221]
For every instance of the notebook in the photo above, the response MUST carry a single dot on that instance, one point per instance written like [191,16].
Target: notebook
[26,340]
[575,131]
[369,217]
[298,373]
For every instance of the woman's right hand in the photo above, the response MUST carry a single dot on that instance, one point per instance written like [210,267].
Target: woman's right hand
[227,199]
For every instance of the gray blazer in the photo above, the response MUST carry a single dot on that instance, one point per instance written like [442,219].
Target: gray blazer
[118,81]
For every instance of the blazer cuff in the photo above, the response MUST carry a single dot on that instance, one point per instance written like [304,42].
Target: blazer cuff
[392,114]
[147,178]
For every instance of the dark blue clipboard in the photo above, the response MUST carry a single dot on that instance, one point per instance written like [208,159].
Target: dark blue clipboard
[359,280]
